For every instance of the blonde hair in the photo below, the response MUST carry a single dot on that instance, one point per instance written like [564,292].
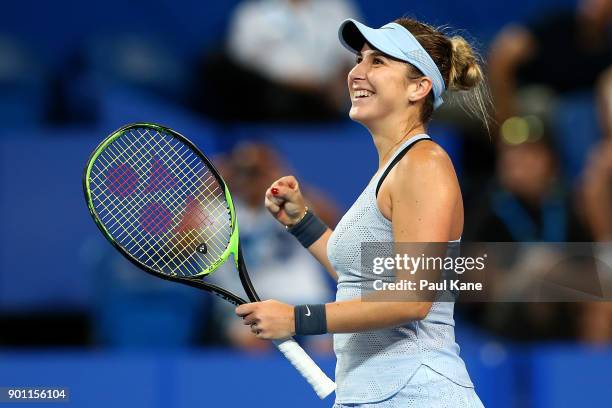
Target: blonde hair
[460,66]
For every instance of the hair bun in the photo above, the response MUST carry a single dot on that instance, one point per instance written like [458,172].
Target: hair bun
[465,72]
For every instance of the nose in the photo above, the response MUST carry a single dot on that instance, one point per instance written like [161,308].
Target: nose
[357,73]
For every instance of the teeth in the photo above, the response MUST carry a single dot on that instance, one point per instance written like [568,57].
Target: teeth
[362,93]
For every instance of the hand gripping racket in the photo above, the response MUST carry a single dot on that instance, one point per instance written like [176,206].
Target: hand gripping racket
[165,207]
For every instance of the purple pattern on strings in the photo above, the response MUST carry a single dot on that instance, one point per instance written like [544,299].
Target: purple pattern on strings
[122,180]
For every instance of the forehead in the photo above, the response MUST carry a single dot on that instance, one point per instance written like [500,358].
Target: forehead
[368,50]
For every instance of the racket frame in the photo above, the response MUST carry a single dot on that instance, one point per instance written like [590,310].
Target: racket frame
[233,247]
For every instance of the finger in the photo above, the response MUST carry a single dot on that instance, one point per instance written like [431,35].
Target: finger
[286,193]
[250,320]
[246,309]
[290,181]
[286,181]
[271,206]
[259,332]
[276,199]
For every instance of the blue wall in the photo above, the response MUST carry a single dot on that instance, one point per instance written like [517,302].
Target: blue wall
[56,29]
[552,376]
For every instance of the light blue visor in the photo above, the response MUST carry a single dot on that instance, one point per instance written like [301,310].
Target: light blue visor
[394,40]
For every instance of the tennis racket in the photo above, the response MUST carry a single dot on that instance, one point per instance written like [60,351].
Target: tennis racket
[164,206]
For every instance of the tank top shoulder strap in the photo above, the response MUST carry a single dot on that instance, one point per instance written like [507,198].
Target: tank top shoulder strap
[399,154]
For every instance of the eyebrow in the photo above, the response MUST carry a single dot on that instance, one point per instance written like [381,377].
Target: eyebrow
[375,53]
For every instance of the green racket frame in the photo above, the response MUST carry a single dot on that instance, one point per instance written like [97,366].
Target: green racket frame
[233,248]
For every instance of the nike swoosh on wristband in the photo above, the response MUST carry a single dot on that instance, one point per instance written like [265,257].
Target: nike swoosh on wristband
[307,314]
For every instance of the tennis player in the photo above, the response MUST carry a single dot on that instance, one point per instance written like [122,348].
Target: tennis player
[390,354]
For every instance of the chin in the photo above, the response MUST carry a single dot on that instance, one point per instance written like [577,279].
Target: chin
[358,115]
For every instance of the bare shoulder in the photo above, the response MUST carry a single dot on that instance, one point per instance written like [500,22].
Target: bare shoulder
[426,159]
[422,197]
[425,175]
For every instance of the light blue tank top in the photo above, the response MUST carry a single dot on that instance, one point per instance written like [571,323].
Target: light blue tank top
[374,365]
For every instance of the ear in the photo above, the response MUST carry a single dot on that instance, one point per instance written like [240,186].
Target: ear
[419,89]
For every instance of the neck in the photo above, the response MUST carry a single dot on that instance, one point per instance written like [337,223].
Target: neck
[388,135]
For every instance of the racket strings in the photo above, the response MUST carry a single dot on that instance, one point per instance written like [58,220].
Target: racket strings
[132,208]
[159,201]
[149,228]
[121,224]
[221,205]
[177,264]
[206,185]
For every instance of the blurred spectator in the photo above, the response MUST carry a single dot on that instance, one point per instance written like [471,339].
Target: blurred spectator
[564,51]
[598,191]
[596,319]
[282,62]
[604,103]
[278,266]
[598,174]
[528,203]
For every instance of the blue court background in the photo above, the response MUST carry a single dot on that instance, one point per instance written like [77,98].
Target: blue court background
[551,376]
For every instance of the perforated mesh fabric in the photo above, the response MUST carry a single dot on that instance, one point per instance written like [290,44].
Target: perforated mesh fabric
[374,365]
[426,388]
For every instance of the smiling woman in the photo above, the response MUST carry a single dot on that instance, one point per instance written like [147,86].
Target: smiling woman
[390,353]
[434,57]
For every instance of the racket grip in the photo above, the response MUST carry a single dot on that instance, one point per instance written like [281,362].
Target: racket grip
[321,383]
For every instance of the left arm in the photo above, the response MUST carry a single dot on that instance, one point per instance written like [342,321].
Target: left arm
[424,193]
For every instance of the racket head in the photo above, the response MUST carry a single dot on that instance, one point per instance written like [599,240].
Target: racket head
[161,202]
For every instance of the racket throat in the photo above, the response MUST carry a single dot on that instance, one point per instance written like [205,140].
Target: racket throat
[244,277]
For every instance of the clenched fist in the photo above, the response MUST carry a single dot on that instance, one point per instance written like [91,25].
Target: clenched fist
[285,202]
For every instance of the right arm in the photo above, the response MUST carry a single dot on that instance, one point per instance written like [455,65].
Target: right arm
[509,50]
[285,202]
